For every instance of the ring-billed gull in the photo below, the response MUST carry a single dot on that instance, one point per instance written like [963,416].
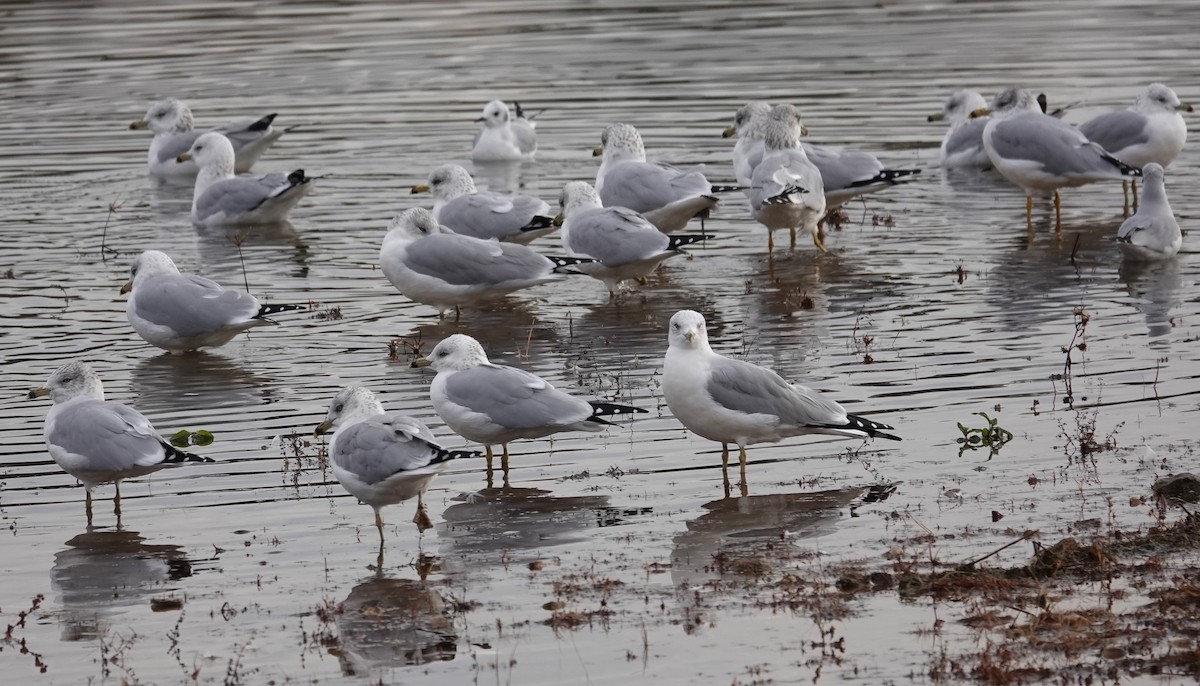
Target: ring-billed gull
[97,441]
[1041,154]
[962,147]
[845,174]
[483,214]
[180,312]
[1152,232]
[503,138]
[430,264]
[223,199]
[731,401]
[624,244]
[382,459]
[668,197]
[171,122]
[1153,130]
[786,189]
[494,404]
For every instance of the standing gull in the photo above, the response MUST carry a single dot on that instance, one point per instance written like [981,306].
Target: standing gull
[382,459]
[483,214]
[962,147]
[786,190]
[501,138]
[1152,232]
[181,312]
[1041,154]
[1153,130]
[99,442]
[222,199]
[668,197]
[731,401]
[171,122]
[623,243]
[430,264]
[491,403]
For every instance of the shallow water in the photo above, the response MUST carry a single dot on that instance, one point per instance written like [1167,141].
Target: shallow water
[965,310]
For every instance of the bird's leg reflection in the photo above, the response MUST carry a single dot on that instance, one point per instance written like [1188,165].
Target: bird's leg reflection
[1125,195]
[1133,185]
[379,525]
[725,468]
[1057,211]
[488,451]
[792,231]
[504,461]
[1029,211]
[117,500]
[770,243]
[87,506]
[745,483]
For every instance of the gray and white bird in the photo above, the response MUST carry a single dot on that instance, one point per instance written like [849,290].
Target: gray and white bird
[494,404]
[463,209]
[623,244]
[98,441]
[502,137]
[1041,154]
[1152,233]
[383,459]
[667,196]
[786,189]
[182,312]
[171,121]
[222,199]
[962,146]
[433,265]
[732,401]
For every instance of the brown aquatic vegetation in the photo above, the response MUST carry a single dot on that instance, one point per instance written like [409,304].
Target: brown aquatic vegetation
[10,640]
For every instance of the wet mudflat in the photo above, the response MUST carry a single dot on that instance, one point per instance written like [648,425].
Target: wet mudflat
[615,557]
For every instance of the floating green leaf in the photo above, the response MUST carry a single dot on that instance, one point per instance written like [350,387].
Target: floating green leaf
[179,439]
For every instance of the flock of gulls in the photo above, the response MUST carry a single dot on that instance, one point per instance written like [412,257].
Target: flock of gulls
[473,245]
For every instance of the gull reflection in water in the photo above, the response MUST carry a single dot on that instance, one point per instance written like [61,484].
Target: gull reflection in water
[1153,287]
[386,623]
[100,571]
[733,527]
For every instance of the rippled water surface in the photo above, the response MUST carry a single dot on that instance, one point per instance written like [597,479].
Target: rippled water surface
[933,303]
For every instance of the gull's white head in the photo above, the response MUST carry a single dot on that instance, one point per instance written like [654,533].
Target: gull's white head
[72,380]
[351,404]
[577,196]
[1158,97]
[412,224]
[621,142]
[149,264]
[1011,101]
[688,331]
[211,152]
[959,106]
[749,120]
[782,128]
[447,182]
[495,113]
[457,353]
[166,116]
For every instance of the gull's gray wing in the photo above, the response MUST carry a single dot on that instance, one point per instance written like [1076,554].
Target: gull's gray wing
[239,195]
[744,387]
[191,305]
[382,446]
[842,169]
[491,215]
[513,398]
[1117,130]
[111,436]
[465,261]
[964,138]
[247,132]
[747,153]
[525,135]
[1059,147]
[614,235]
[781,168]
[644,186]
[175,144]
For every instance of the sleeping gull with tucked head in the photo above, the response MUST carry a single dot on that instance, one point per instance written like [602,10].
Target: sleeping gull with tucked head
[731,401]
[171,122]
[181,312]
[222,199]
[98,441]
[483,214]
[382,459]
[493,404]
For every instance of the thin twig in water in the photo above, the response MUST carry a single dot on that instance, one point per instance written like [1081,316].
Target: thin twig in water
[112,209]
[238,239]
[1024,537]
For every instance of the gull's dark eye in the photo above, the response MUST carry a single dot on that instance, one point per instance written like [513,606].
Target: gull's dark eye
[67,379]
[443,354]
[338,408]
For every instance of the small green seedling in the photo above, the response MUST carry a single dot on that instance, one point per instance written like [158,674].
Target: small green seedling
[184,438]
[993,437]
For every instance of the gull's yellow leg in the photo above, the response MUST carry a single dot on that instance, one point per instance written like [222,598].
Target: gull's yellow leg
[792,231]
[379,525]
[87,506]
[504,460]
[725,468]
[745,483]
[488,452]
[1057,210]
[421,518]
[819,241]
[1029,210]
[117,499]
[1133,185]
[770,241]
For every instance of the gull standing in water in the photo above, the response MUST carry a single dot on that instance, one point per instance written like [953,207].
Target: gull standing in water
[490,403]
[98,441]
[785,189]
[1041,154]
[731,401]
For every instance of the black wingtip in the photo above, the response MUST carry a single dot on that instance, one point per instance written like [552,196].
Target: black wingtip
[444,455]
[564,262]
[784,196]
[1126,170]
[600,409]
[892,176]
[726,189]
[872,429]
[678,241]
[262,124]
[538,222]
[297,178]
[175,455]
[268,310]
